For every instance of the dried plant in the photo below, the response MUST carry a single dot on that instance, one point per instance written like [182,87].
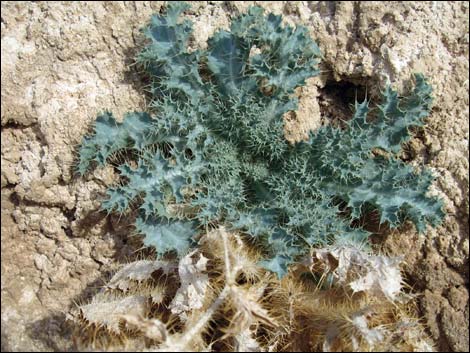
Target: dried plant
[218,299]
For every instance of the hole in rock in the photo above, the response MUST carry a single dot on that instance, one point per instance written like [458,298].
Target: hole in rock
[337,100]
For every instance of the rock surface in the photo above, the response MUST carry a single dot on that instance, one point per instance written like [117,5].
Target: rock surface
[64,62]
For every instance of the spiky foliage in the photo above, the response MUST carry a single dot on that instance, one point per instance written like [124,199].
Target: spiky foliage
[218,299]
[214,145]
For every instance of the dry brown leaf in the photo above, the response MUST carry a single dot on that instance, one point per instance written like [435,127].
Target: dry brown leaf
[374,274]
[371,335]
[109,313]
[138,271]
[190,296]
[151,328]
[245,342]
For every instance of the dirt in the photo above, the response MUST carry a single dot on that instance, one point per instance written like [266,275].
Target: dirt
[64,62]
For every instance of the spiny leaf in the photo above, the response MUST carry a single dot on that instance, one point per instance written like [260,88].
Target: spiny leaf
[215,145]
[111,136]
[166,236]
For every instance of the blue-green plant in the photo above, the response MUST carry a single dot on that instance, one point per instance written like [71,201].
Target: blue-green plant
[211,149]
